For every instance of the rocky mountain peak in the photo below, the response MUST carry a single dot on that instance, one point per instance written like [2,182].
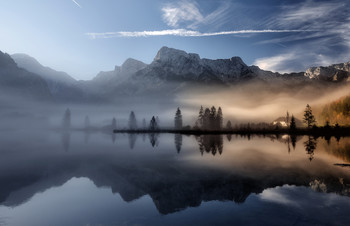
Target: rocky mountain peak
[336,72]
[170,54]
[131,66]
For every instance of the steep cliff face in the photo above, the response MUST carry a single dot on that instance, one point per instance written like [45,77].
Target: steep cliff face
[173,64]
[335,72]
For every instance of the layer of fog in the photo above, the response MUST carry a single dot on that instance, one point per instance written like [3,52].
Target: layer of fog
[250,102]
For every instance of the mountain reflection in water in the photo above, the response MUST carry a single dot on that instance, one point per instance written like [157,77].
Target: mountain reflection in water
[175,171]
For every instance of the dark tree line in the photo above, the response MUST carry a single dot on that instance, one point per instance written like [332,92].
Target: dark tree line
[211,144]
[210,119]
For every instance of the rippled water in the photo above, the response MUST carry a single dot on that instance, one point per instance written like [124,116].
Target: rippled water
[77,178]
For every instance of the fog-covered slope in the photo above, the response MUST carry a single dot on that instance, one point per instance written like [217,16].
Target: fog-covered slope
[18,82]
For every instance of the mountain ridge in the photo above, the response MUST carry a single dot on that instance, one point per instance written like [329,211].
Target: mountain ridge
[171,71]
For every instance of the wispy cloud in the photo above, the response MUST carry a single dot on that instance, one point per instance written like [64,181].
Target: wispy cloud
[77,3]
[183,11]
[328,44]
[181,33]
[187,13]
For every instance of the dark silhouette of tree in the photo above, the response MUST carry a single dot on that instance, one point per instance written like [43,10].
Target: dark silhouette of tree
[206,119]
[178,142]
[114,124]
[229,137]
[309,118]
[178,119]
[132,121]
[200,118]
[219,119]
[87,122]
[287,119]
[292,125]
[212,118]
[310,146]
[228,125]
[153,125]
[66,122]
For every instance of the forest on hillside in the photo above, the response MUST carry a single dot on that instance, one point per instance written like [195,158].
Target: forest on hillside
[337,112]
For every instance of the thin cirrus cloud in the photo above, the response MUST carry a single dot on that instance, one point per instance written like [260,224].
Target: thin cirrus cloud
[329,42]
[181,33]
[77,3]
[183,11]
[187,14]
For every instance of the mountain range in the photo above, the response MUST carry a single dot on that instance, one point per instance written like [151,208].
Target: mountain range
[171,71]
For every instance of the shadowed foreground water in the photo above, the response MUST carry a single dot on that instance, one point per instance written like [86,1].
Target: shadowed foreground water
[77,178]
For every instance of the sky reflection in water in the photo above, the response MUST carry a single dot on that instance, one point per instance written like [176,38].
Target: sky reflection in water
[170,179]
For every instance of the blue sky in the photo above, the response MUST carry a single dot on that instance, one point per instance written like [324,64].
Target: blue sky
[83,37]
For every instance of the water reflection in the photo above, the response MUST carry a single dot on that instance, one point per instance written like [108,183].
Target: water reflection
[210,144]
[132,137]
[65,138]
[310,146]
[175,182]
[178,142]
[153,139]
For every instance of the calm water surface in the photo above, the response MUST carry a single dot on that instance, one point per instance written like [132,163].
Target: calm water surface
[77,178]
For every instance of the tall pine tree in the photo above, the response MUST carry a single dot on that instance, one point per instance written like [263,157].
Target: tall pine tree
[309,118]
[178,119]
[219,119]
[132,121]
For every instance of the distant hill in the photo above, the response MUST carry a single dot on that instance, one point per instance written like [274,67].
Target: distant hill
[62,86]
[18,82]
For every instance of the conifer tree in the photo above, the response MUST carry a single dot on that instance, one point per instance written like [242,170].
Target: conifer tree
[212,118]
[153,124]
[178,119]
[206,119]
[292,125]
[309,118]
[200,117]
[219,119]
[132,121]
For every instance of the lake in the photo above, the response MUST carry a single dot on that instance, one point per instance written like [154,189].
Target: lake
[80,178]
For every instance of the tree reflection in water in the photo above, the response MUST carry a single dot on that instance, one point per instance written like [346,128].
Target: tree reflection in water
[132,140]
[310,146]
[153,139]
[65,138]
[210,144]
[178,142]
